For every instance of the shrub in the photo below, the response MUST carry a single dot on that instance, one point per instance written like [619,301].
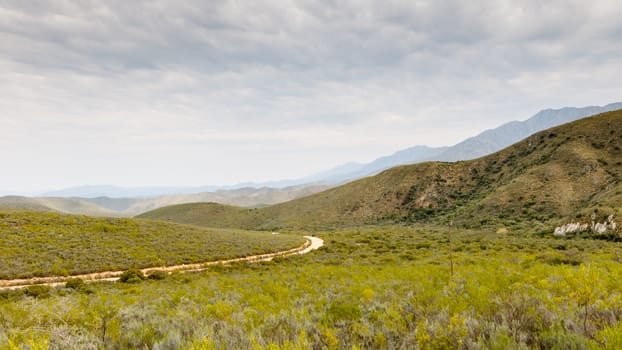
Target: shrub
[38,291]
[157,275]
[75,283]
[344,310]
[132,276]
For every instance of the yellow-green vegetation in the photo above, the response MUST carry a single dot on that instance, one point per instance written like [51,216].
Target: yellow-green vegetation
[368,288]
[44,244]
[560,174]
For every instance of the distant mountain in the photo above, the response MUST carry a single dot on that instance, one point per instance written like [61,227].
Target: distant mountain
[244,197]
[353,170]
[115,204]
[93,191]
[76,206]
[496,139]
[123,201]
[59,204]
[19,202]
[115,207]
[483,144]
[562,174]
[407,156]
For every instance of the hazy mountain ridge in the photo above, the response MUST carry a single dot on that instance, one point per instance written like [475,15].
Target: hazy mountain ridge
[407,156]
[111,191]
[554,175]
[485,143]
[19,202]
[108,200]
[115,207]
[244,197]
[507,134]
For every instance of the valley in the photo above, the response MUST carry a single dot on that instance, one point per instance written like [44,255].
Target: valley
[435,255]
[560,174]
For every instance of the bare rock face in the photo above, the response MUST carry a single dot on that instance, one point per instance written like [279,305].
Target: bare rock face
[570,228]
[594,227]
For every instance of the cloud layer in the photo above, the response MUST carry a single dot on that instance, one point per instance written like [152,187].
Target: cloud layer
[208,92]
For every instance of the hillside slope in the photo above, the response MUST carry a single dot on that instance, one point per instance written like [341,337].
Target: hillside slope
[38,244]
[553,175]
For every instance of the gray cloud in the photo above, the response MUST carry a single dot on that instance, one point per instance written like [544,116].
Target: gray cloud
[322,81]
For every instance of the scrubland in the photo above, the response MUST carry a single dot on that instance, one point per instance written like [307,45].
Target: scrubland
[35,244]
[384,287]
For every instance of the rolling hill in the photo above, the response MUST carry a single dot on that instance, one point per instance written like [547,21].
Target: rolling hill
[25,203]
[36,243]
[244,197]
[77,206]
[558,174]
[126,207]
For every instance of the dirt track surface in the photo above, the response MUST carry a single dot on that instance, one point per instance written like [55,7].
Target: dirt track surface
[311,244]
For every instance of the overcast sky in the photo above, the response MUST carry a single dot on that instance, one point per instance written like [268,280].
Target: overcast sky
[218,92]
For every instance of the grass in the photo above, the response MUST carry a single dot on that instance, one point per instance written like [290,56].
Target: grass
[45,244]
[372,288]
[554,176]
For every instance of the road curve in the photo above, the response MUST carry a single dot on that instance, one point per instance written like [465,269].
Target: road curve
[311,244]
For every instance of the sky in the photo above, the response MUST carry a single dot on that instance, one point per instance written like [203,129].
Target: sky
[189,93]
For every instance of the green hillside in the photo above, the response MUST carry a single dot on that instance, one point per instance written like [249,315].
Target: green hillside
[208,215]
[559,174]
[36,243]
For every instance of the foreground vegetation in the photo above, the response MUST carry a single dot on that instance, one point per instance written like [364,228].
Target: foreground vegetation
[377,288]
[51,244]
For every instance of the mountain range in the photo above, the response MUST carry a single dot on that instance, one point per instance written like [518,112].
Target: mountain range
[480,145]
[123,207]
[108,200]
[484,143]
[558,175]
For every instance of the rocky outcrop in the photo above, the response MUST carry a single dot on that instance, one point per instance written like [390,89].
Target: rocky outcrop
[594,227]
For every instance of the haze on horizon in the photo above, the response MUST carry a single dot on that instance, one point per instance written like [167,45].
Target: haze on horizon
[218,92]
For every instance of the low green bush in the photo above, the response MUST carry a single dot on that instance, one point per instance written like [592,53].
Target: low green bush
[75,283]
[157,275]
[38,291]
[132,276]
